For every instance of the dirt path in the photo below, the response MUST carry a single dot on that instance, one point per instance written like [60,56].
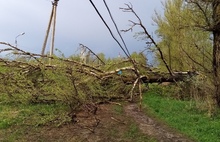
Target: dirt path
[152,128]
[113,123]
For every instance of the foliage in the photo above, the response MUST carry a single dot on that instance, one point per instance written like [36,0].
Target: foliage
[50,80]
[197,89]
[188,44]
[184,116]
[165,89]
[185,46]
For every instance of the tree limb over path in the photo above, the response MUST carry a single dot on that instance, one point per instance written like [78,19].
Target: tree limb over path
[147,76]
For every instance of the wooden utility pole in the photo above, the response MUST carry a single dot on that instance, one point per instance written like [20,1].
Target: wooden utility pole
[52,22]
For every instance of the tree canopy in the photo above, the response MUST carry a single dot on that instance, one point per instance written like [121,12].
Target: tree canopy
[185,46]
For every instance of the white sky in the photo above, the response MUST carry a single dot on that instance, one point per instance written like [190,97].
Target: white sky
[77,22]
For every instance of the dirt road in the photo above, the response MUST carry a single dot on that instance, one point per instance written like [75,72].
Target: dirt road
[151,127]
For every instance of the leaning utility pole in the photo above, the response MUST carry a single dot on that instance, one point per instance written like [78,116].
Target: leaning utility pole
[52,22]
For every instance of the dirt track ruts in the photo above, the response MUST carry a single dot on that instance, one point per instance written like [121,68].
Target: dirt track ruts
[151,127]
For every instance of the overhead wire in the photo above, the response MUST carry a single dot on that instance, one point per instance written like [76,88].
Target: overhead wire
[106,5]
[103,20]
[127,54]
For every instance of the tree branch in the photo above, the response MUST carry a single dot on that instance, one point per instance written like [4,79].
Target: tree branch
[130,9]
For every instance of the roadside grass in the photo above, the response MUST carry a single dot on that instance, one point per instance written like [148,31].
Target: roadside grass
[30,115]
[28,122]
[16,118]
[183,116]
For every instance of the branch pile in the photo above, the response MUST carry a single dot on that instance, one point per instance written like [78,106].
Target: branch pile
[31,77]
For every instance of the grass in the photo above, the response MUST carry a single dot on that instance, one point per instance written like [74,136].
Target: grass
[184,116]
[16,119]
[31,115]
[43,122]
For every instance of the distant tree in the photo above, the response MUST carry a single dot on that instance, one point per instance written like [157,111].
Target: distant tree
[139,57]
[102,57]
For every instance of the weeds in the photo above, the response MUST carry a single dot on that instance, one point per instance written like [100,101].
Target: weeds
[31,114]
[41,122]
[185,117]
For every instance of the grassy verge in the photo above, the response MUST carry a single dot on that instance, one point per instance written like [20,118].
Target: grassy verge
[18,119]
[184,116]
[44,122]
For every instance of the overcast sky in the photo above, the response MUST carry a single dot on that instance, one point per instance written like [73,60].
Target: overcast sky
[77,22]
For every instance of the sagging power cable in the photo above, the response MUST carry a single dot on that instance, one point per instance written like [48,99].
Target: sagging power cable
[136,71]
[106,5]
[103,20]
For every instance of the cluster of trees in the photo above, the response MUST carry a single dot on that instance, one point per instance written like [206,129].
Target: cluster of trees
[190,40]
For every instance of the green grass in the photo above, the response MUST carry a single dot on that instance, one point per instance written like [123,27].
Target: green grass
[19,121]
[16,119]
[31,115]
[184,116]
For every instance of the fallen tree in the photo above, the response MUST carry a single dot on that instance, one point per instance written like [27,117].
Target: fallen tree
[74,82]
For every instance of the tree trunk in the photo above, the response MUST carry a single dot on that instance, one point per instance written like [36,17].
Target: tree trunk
[216,49]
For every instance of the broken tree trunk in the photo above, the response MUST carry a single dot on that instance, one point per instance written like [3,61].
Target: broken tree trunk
[160,77]
[177,76]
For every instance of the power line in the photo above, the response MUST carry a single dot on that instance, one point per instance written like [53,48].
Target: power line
[116,27]
[103,20]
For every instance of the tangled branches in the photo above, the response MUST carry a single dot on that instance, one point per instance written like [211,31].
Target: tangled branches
[30,77]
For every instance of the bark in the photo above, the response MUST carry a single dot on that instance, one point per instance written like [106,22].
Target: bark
[154,77]
[166,77]
[216,49]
